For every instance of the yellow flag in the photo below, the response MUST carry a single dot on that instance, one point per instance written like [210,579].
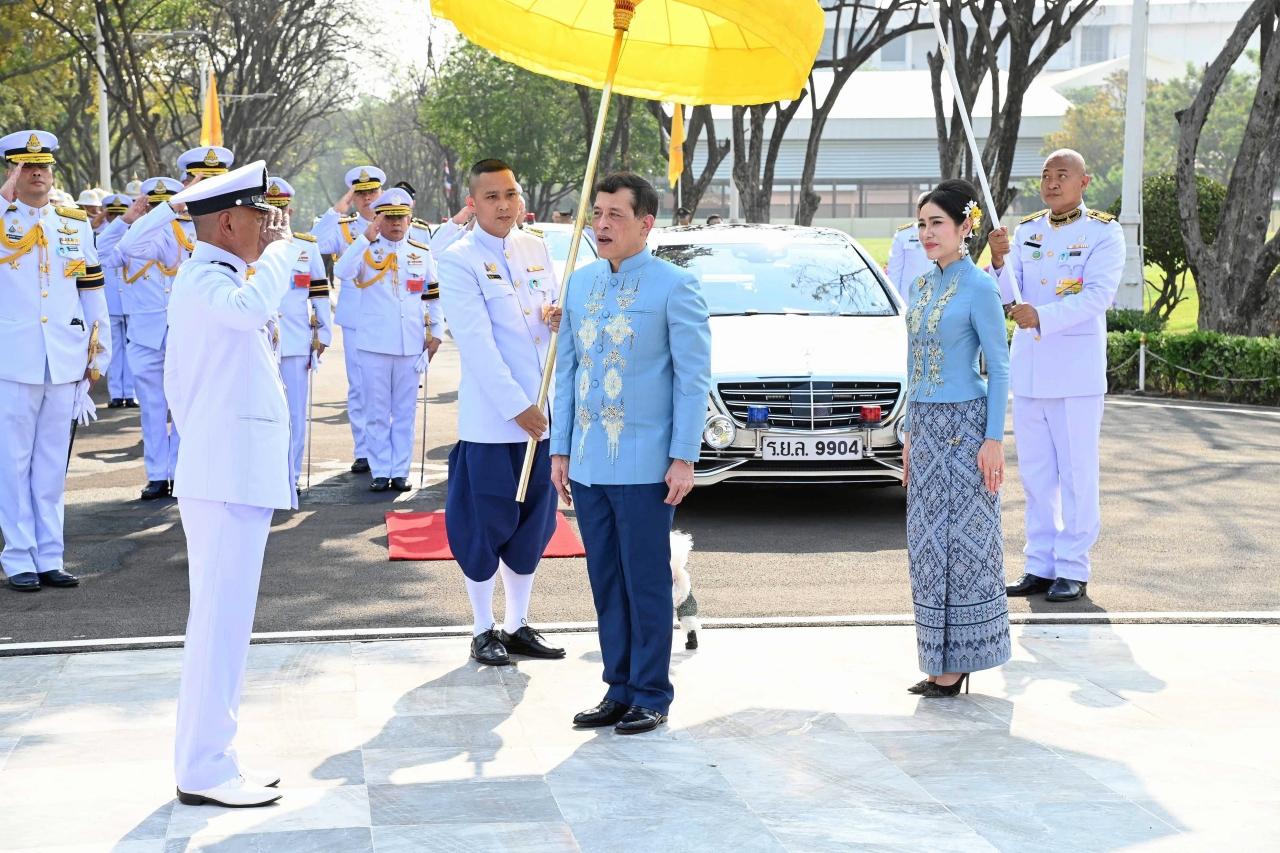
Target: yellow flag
[211,119]
[675,165]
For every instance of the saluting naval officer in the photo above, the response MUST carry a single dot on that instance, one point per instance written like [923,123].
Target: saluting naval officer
[167,229]
[145,300]
[1067,260]
[907,258]
[224,387]
[399,331]
[306,327]
[119,374]
[498,287]
[52,301]
[335,231]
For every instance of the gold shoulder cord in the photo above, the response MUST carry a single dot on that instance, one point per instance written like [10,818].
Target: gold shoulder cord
[390,262]
[181,235]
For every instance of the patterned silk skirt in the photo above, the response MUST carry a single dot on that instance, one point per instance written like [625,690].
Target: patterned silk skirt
[954,542]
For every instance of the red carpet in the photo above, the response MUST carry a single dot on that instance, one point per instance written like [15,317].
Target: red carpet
[421,536]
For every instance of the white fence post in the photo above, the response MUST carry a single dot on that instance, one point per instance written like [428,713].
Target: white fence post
[1142,364]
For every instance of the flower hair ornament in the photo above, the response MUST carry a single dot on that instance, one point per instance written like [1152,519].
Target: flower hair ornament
[973,213]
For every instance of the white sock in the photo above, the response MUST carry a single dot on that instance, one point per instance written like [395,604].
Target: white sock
[518,590]
[481,594]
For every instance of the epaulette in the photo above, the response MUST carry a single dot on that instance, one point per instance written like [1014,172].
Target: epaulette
[420,223]
[72,213]
[1100,216]
[419,245]
[905,227]
[350,217]
[184,217]
[299,235]
[1033,217]
[537,232]
[11,208]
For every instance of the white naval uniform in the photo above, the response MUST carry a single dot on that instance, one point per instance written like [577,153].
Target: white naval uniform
[394,313]
[446,235]
[224,388]
[1058,378]
[307,297]
[50,298]
[151,251]
[493,292]
[119,375]
[907,259]
[334,233]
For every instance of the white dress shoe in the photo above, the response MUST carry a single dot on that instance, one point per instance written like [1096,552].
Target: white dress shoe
[235,794]
[259,778]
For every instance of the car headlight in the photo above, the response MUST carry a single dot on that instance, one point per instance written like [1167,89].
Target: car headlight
[719,432]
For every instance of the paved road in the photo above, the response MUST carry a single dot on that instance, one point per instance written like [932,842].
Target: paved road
[1190,498]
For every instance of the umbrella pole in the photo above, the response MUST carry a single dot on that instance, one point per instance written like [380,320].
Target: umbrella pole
[584,201]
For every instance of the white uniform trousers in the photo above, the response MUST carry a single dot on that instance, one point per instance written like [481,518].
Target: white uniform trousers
[355,393]
[119,376]
[225,544]
[159,437]
[293,370]
[391,395]
[35,421]
[1057,440]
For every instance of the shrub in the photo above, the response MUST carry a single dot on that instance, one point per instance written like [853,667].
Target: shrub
[1133,320]
[1217,355]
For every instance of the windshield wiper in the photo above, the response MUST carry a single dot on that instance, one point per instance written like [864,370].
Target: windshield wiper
[753,313]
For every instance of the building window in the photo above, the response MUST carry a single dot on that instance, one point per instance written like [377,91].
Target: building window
[1095,45]
[894,54]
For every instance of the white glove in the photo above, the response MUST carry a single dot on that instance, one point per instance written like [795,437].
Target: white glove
[315,360]
[420,365]
[83,410]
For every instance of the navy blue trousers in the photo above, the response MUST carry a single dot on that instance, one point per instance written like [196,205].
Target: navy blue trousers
[481,516]
[627,534]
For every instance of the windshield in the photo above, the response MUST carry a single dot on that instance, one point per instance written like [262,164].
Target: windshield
[815,275]
[558,246]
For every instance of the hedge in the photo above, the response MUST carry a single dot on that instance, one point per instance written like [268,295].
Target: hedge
[1228,356]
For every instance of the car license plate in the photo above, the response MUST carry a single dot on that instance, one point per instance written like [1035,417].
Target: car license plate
[777,446]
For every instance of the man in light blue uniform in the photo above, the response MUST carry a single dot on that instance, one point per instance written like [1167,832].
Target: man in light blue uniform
[119,375]
[335,231]
[633,372]
[498,284]
[147,283]
[1067,261]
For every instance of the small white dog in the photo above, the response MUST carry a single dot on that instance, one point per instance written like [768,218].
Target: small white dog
[682,588]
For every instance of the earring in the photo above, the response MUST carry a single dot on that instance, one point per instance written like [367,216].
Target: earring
[964,249]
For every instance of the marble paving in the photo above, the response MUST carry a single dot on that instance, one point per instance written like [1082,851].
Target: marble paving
[1091,738]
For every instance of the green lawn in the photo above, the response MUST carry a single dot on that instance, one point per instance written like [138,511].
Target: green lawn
[1182,320]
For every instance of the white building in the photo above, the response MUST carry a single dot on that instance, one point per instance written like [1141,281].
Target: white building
[879,146]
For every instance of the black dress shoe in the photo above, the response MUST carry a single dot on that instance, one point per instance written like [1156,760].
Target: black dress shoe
[155,490]
[638,720]
[116,403]
[130,403]
[360,466]
[58,577]
[1065,589]
[487,649]
[379,484]
[607,713]
[25,582]
[401,484]
[1029,585]
[529,643]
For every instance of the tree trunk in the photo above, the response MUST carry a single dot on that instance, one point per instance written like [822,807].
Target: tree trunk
[1237,275]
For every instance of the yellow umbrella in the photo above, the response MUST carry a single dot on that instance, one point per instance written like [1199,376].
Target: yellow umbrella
[684,51]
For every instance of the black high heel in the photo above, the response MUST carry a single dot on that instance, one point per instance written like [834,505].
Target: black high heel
[939,691]
[920,686]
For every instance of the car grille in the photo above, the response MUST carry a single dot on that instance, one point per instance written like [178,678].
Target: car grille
[808,404]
